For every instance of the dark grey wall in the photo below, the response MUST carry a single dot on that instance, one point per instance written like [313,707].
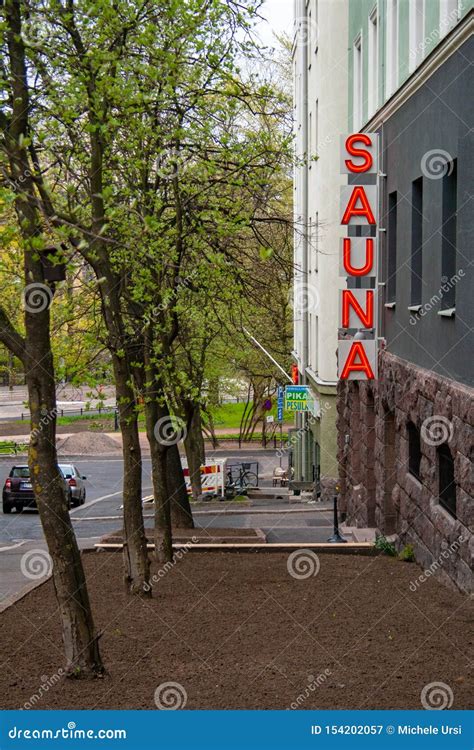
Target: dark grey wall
[438,116]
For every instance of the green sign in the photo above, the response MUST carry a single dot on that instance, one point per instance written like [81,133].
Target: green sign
[297,397]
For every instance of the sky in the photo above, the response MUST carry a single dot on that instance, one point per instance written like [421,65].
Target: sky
[279,18]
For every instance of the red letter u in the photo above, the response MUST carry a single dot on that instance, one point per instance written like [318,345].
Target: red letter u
[369,257]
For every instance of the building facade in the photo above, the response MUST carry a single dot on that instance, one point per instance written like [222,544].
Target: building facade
[320,76]
[406,440]
[404,456]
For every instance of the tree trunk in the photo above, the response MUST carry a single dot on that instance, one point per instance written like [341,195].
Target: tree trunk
[194,446]
[159,433]
[80,640]
[136,562]
[181,513]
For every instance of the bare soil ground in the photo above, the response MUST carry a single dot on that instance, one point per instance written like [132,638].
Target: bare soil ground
[238,631]
[89,443]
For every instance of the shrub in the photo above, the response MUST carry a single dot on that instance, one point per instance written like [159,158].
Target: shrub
[407,554]
[382,544]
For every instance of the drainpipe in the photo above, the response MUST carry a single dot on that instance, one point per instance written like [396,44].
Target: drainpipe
[304,218]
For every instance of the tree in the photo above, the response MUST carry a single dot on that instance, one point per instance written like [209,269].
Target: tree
[34,350]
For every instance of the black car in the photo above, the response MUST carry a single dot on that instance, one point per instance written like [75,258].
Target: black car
[18,490]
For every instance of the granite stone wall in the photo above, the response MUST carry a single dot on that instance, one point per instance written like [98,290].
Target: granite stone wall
[377,488]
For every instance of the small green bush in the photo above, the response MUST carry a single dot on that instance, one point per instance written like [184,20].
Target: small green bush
[382,544]
[407,554]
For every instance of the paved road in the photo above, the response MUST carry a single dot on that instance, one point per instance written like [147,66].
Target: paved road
[104,483]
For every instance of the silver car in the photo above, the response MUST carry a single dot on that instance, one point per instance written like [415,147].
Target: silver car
[75,481]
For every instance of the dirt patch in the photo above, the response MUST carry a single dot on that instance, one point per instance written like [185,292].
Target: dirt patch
[88,444]
[237,631]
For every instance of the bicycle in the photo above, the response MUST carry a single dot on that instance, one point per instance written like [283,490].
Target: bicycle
[239,486]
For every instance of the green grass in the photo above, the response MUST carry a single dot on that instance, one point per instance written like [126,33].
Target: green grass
[230,415]
[226,416]
[71,419]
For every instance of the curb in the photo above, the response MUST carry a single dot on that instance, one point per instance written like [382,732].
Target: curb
[348,548]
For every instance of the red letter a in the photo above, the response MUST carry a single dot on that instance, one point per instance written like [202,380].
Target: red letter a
[358,194]
[357,350]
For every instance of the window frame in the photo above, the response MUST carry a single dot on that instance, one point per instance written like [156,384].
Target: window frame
[373,53]
[391,47]
[357,82]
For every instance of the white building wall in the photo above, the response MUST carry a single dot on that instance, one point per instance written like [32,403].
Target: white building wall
[321,25]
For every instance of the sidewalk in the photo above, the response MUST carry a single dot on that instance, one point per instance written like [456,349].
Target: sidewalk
[26,565]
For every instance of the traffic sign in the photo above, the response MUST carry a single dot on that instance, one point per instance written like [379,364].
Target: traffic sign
[280,402]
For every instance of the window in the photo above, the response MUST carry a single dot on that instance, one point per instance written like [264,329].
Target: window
[357,84]
[373,62]
[447,485]
[416,240]
[448,15]
[414,450]
[392,248]
[416,25]
[448,235]
[392,47]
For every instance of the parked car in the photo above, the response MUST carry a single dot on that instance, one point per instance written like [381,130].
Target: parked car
[75,481]
[18,490]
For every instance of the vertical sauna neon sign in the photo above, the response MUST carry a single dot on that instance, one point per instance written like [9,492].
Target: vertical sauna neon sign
[357,357]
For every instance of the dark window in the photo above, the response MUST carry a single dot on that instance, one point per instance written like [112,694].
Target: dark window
[20,471]
[447,485]
[449,228]
[392,248]
[414,450]
[416,240]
